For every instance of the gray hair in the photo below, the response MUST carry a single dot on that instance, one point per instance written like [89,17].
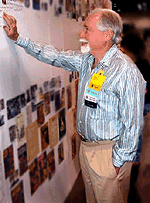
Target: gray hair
[110,20]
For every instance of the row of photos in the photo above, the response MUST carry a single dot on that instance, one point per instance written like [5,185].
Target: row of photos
[37,157]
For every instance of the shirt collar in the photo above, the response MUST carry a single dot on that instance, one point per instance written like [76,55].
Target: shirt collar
[108,56]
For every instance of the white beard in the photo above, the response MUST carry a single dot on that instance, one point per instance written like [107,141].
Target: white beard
[85,48]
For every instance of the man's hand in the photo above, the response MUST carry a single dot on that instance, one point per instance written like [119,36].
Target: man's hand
[117,169]
[11,28]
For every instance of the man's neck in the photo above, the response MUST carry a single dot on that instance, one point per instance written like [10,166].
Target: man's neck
[100,53]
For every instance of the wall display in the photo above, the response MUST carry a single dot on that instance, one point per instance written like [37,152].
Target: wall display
[34,176]
[44,136]
[22,157]
[62,123]
[51,164]
[42,167]
[60,152]
[53,130]
[8,157]
[32,141]
[17,193]
[36,4]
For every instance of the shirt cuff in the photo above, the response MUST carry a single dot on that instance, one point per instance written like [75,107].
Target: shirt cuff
[22,41]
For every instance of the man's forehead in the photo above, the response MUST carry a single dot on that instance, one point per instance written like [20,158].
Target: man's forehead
[93,18]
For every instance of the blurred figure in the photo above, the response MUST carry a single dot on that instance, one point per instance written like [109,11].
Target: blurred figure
[133,46]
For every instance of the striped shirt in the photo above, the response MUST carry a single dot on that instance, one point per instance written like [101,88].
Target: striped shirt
[119,112]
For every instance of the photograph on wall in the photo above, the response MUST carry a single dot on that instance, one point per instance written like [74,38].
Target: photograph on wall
[69,97]
[17,193]
[41,96]
[2,188]
[2,104]
[51,164]
[68,5]
[52,83]
[33,106]
[46,84]
[27,3]
[53,130]
[52,95]
[29,114]
[62,97]
[60,153]
[33,89]
[73,145]
[22,100]
[62,123]
[36,4]
[42,166]
[34,176]
[8,158]
[32,141]
[20,129]
[57,100]
[44,136]
[40,113]
[14,178]
[28,95]
[47,103]
[2,121]
[13,107]
[58,81]
[22,157]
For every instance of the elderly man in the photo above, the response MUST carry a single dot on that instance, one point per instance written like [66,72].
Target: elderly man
[110,102]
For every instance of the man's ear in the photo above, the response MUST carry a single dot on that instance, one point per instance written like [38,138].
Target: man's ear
[108,35]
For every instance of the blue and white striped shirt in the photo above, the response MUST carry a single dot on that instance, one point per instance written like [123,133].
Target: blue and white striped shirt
[119,113]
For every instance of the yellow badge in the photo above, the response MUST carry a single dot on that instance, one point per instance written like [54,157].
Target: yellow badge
[97,80]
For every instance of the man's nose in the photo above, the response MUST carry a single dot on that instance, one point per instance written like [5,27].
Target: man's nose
[81,34]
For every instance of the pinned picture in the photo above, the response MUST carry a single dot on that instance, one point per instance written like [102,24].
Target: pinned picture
[57,100]
[17,193]
[40,113]
[8,157]
[12,133]
[36,4]
[20,129]
[34,176]
[53,130]
[22,157]
[42,166]
[44,136]
[2,121]
[28,95]
[51,164]
[62,123]
[22,100]
[13,107]
[60,153]
[47,103]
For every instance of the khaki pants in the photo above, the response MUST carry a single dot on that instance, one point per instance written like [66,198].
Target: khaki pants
[102,184]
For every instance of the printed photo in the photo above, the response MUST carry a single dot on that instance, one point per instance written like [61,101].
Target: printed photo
[46,83]
[14,179]
[22,100]
[40,113]
[47,103]
[13,107]
[8,157]
[28,95]
[52,83]
[62,123]
[44,136]
[53,130]
[2,104]
[36,4]
[33,89]
[42,166]
[51,164]
[29,114]
[69,97]
[22,157]
[63,97]
[20,129]
[57,100]
[2,121]
[12,133]
[41,96]
[34,176]
[17,194]
[60,153]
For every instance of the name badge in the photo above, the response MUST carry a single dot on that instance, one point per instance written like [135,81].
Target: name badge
[94,87]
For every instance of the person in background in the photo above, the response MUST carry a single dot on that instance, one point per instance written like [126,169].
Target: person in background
[133,46]
[110,102]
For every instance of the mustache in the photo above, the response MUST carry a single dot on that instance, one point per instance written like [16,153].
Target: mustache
[83,40]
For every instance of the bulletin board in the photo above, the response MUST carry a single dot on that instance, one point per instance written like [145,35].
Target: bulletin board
[39,144]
